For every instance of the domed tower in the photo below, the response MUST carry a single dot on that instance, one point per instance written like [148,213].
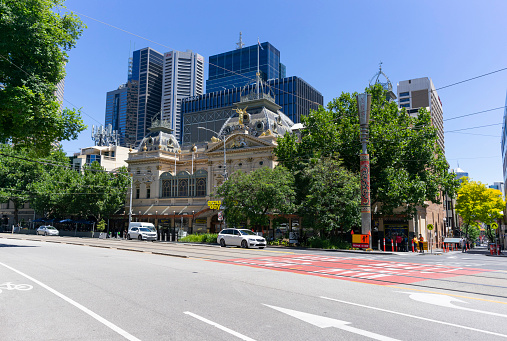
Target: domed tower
[160,137]
[385,83]
[257,114]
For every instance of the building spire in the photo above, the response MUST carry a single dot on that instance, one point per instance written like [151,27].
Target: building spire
[240,42]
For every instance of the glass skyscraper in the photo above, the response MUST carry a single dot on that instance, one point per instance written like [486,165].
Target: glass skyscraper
[121,112]
[237,68]
[211,110]
[147,71]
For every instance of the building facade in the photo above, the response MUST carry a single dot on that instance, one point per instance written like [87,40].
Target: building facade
[295,97]
[183,76]
[121,112]
[238,67]
[147,71]
[414,94]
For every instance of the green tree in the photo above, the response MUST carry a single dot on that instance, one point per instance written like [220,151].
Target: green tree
[407,167]
[251,196]
[19,169]
[332,197]
[34,41]
[476,203]
[101,193]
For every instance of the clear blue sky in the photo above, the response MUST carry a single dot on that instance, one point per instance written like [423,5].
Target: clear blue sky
[335,46]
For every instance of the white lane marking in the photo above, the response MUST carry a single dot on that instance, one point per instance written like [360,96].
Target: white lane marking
[445,301]
[326,322]
[77,305]
[225,329]
[416,317]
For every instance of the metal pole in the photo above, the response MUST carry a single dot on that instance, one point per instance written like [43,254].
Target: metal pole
[130,207]
[363,108]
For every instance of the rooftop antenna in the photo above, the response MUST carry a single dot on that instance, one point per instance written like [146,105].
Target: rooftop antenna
[240,42]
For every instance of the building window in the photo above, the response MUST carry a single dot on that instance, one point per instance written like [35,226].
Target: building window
[184,184]
[403,94]
[147,193]
[403,100]
[183,187]
[201,187]
[166,188]
[405,105]
[137,192]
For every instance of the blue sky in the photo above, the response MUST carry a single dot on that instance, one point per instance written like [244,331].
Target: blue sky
[335,46]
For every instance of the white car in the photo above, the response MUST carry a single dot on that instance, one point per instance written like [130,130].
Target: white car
[47,230]
[141,233]
[240,237]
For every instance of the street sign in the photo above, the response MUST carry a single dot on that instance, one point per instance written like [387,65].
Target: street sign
[220,216]
[494,226]
[429,227]
[361,240]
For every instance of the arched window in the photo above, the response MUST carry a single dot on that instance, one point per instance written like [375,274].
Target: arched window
[184,184]
[182,187]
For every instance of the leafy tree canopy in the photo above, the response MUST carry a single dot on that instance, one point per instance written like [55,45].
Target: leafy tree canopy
[407,167]
[477,203]
[251,196]
[34,41]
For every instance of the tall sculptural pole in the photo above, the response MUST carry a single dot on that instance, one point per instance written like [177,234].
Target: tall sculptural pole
[363,108]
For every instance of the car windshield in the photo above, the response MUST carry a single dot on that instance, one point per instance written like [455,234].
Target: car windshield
[144,229]
[50,228]
[247,232]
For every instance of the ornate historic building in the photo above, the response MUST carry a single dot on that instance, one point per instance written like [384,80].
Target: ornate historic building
[173,186]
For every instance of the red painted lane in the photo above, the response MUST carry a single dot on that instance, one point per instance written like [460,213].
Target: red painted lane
[355,269]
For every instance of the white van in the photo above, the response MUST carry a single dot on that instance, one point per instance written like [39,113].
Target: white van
[142,231]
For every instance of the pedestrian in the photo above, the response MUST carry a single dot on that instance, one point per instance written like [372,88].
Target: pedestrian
[399,240]
[421,243]
[415,242]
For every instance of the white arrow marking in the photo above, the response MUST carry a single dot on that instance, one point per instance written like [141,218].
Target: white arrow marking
[415,317]
[446,301]
[326,322]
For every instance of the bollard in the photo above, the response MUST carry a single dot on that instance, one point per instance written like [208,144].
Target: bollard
[413,250]
[384,245]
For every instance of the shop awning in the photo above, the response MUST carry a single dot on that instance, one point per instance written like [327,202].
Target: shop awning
[452,240]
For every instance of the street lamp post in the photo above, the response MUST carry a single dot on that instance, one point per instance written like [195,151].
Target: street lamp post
[225,159]
[363,108]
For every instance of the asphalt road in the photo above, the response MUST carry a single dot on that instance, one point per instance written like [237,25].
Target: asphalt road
[58,288]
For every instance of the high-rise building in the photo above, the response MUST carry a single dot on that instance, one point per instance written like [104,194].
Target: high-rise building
[183,76]
[121,112]
[504,143]
[295,97]
[238,67]
[498,186]
[147,71]
[419,93]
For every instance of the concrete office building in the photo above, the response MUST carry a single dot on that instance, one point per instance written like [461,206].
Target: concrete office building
[419,93]
[183,76]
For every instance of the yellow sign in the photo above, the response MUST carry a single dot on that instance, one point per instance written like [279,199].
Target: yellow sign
[494,226]
[429,227]
[214,205]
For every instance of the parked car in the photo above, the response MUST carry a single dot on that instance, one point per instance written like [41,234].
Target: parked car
[48,230]
[141,233]
[240,237]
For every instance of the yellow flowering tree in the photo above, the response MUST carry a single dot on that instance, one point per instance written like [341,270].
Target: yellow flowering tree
[476,203]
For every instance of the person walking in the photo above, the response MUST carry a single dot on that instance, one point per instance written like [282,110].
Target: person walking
[421,243]
[415,242]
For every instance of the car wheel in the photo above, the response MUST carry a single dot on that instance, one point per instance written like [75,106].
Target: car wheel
[222,243]
[261,247]
[45,233]
[128,237]
[140,237]
[244,244]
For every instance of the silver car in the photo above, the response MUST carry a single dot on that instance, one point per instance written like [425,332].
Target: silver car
[240,237]
[141,233]
[47,230]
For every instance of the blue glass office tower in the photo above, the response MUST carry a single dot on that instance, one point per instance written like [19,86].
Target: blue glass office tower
[211,110]
[504,143]
[238,67]
[121,112]
[147,71]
